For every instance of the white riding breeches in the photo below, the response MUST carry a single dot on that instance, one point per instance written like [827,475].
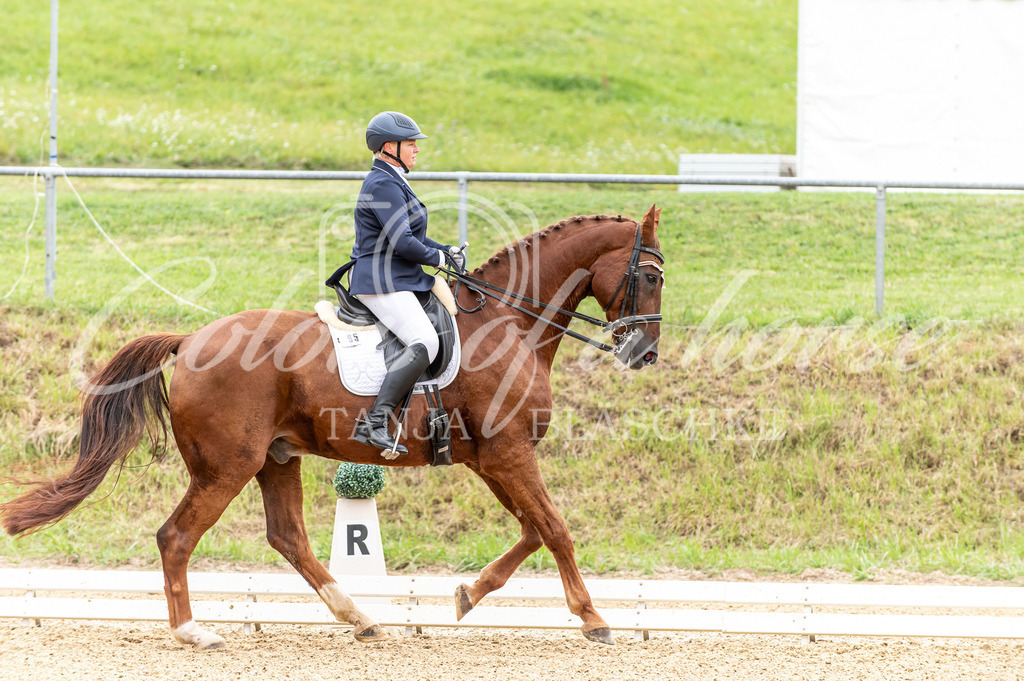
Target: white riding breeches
[401,312]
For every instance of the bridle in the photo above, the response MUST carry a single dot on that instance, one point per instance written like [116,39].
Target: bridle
[631,280]
[630,301]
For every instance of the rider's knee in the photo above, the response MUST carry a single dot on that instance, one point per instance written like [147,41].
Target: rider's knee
[432,344]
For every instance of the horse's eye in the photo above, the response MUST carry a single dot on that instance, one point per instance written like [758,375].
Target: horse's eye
[652,279]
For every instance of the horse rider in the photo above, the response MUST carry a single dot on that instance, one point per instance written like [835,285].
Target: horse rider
[391,245]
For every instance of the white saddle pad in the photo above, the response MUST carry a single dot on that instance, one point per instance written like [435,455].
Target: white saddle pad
[361,364]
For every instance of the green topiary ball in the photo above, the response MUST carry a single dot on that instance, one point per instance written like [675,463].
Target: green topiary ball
[358,480]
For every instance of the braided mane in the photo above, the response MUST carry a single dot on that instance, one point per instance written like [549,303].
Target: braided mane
[503,254]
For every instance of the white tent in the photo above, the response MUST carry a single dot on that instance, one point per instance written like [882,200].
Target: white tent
[911,90]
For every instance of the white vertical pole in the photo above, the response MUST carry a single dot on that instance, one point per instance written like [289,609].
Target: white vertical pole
[51,179]
[880,250]
[463,209]
[809,638]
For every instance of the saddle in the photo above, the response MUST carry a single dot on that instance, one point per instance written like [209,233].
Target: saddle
[362,367]
[440,313]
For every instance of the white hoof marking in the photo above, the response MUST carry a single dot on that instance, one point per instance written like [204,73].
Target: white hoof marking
[191,633]
[343,607]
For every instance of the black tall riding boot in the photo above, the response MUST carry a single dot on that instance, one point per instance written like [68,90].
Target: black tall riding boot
[398,382]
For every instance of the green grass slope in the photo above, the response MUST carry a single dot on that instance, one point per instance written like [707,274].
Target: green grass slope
[573,85]
[784,427]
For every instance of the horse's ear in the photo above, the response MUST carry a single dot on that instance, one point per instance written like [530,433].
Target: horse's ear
[649,225]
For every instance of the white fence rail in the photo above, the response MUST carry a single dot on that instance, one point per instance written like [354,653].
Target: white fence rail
[641,606]
[463,179]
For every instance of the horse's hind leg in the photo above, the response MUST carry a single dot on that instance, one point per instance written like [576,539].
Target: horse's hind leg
[201,507]
[281,485]
[497,573]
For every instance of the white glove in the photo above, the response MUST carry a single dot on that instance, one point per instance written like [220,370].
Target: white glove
[458,257]
[454,256]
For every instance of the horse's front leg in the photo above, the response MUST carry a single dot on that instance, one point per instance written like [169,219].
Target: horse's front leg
[281,485]
[495,575]
[519,475]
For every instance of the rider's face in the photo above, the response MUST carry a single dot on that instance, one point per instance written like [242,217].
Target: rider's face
[409,151]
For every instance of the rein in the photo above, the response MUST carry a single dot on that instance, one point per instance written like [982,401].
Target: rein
[629,301]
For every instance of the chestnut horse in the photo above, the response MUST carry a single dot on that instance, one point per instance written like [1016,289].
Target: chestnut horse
[253,392]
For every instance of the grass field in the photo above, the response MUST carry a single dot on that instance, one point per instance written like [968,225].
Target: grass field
[785,426]
[573,85]
[806,257]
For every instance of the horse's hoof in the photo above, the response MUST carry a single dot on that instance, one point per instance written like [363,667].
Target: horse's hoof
[212,642]
[192,634]
[600,635]
[463,603]
[372,634]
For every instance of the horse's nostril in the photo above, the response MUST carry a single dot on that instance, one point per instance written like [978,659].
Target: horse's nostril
[650,358]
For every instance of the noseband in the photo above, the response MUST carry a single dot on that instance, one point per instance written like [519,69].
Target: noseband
[630,301]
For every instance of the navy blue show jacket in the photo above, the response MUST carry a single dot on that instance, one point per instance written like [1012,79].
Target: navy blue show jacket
[391,236]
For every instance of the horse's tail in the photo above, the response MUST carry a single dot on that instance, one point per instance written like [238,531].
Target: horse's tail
[118,405]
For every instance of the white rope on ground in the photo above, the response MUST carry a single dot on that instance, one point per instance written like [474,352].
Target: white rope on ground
[123,255]
[95,222]
[35,213]
[28,233]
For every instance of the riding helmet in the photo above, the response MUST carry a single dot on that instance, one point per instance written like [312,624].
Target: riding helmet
[391,126]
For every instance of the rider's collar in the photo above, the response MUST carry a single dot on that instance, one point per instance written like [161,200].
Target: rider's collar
[380,164]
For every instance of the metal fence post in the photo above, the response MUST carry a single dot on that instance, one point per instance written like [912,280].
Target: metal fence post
[51,235]
[880,250]
[51,179]
[463,208]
